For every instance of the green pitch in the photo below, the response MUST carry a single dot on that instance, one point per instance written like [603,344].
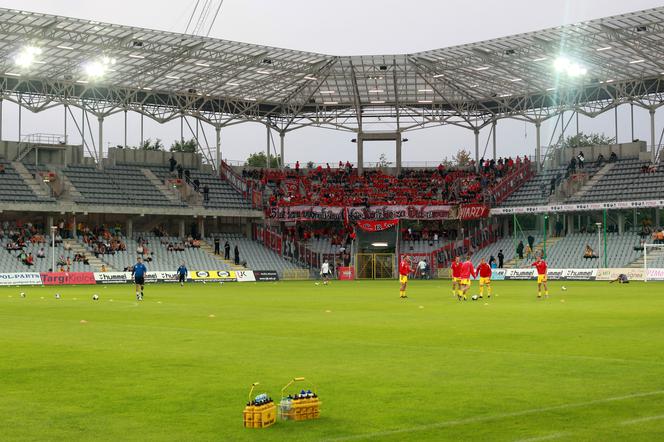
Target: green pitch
[178,366]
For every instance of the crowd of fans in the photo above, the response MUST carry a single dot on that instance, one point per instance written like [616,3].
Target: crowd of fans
[342,186]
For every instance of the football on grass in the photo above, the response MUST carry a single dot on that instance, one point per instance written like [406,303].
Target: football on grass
[95,297]
[474,297]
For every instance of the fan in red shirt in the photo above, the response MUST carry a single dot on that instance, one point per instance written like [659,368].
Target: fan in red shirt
[484,272]
[404,271]
[467,272]
[541,267]
[456,276]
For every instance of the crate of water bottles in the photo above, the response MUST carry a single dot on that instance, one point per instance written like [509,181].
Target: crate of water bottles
[299,406]
[260,412]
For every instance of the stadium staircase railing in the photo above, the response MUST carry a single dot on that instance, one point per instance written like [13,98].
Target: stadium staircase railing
[244,187]
[511,182]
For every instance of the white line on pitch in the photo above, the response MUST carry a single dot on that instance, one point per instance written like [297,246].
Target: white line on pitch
[479,419]
[642,419]
[541,438]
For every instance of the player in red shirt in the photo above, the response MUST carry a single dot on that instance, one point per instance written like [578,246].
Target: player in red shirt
[484,271]
[540,265]
[456,276]
[467,272]
[404,271]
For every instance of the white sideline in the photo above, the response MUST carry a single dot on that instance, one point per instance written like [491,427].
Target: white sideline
[642,419]
[473,420]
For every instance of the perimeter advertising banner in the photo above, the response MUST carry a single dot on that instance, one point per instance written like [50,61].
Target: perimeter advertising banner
[112,277]
[67,278]
[245,276]
[266,275]
[473,211]
[212,276]
[325,213]
[20,279]
[612,274]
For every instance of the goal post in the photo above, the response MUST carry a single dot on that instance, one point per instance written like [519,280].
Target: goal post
[653,257]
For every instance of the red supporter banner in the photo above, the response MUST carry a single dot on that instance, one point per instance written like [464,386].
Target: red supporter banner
[346,273]
[473,211]
[67,278]
[377,226]
[329,213]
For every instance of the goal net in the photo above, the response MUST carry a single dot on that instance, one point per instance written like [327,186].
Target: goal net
[653,262]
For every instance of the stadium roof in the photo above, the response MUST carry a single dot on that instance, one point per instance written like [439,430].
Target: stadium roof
[165,75]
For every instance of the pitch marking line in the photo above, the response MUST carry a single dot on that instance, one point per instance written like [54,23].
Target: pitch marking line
[479,419]
[541,438]
[642,419]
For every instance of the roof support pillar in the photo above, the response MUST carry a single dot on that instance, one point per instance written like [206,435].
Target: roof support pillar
[182,128]
[125,128]
[267,148]
[101,143]
[653,148]
[142,135]
[20,118]
[282,139]
[577,123]
[538,146]
[615,122]
[66,140]
[217,130]
[360,154]
[398,156]
[631,110]
[494,139]
[1,101]
[477,149]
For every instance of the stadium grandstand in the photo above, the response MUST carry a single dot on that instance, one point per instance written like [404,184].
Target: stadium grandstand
[145,290]
[290,219]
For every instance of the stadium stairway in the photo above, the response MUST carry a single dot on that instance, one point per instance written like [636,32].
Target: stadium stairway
[38,188]
[537,249]
[95,263]
[156,182]
[653,256]
[592,181]
[209,249]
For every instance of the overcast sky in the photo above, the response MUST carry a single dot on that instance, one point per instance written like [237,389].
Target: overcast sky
[345,27]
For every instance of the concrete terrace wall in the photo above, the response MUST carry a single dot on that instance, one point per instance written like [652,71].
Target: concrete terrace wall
[57,154]
[153,158]
[637,149]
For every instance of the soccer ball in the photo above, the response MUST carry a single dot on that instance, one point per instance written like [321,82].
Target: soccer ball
[563,288]
[474,297]
[57,296]
[22,294]
[95,297]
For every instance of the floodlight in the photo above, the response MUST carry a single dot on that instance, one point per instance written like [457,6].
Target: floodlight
[379,244]
[95,69]
[571,68]
[27,56]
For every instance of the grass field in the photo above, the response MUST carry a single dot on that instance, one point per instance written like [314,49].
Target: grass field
[587,364]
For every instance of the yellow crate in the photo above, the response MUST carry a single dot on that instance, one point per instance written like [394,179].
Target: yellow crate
[298,409]
[258,416]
